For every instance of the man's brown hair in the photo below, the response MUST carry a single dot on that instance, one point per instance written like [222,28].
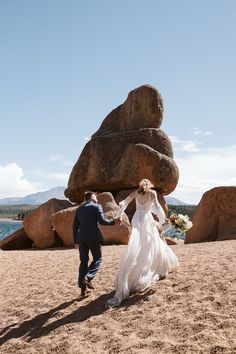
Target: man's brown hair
[88,195]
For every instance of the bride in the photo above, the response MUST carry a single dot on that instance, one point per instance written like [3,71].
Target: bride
[147,258]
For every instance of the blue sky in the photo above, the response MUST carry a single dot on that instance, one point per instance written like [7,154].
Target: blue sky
[65,64]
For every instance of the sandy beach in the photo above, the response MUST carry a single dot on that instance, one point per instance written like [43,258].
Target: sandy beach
[192,311]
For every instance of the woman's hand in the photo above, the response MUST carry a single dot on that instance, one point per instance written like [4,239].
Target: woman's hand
[167,220]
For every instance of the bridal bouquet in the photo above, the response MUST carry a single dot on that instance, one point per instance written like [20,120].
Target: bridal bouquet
[178,225]
[181,222]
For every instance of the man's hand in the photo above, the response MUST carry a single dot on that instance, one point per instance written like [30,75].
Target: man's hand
[77,245]
[118,221]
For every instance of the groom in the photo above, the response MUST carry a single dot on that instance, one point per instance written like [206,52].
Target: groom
[88,237]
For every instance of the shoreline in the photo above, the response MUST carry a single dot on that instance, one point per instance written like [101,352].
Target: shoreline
[9,220]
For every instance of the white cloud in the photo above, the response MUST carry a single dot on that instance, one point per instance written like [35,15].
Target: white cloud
[13,183]
[184,145]
[204,170]
[197,131]
[60,159]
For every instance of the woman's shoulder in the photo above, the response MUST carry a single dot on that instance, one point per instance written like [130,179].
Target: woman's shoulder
[133,194]
[153,193]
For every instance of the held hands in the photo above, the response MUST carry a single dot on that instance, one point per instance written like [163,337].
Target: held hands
[77,245]
[118,221]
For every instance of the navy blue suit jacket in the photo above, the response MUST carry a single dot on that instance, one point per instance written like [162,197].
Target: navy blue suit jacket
[86,220]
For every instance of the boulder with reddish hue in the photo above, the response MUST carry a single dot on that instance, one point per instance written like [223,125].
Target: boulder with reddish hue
[142,109]
[128,146]
[214,219]
[18,240]
[116,234]
[171,241]
[38,224]
[62,222]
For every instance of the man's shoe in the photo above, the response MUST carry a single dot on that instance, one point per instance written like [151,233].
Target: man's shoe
[84,291]
[87,283]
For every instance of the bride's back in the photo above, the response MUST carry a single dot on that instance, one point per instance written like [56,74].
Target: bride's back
[144,199]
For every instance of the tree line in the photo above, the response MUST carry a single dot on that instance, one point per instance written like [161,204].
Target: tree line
[181,209]
[17,212]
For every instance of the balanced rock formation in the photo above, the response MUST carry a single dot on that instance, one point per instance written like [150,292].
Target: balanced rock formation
[16,241]
[214,219]
[38,224]
[128,146]
[116,234]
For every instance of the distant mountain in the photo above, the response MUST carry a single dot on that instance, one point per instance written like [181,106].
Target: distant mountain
[36,198]
[58,192]
[174,201]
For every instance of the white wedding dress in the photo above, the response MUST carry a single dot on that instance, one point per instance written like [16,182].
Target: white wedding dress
[147,257]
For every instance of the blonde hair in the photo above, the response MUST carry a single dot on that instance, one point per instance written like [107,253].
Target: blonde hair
[144,186]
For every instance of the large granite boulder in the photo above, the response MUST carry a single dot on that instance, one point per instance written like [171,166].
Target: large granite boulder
[62,222]
[38,224]
[128,146]
[16,241]
[214,219]
[116,234]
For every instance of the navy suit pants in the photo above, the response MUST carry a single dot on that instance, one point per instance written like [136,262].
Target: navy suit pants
[91,270]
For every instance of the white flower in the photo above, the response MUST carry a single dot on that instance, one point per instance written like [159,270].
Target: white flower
[181,222]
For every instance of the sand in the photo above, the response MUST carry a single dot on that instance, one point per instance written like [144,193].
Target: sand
[191,311]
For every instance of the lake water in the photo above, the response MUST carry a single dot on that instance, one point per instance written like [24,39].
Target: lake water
[8,227]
